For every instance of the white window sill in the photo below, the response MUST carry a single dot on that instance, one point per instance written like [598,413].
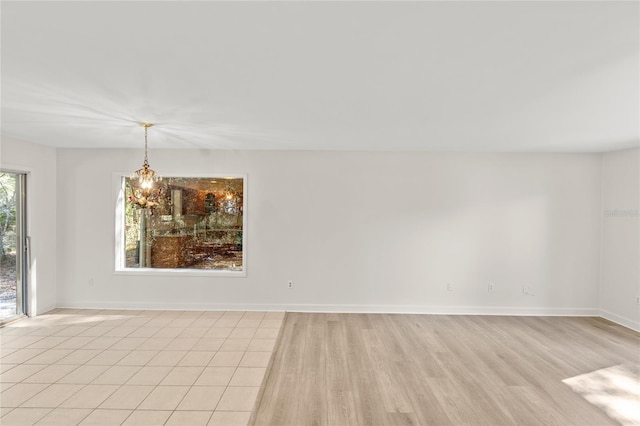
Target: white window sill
[180,272]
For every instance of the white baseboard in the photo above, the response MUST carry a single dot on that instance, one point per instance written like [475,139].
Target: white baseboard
[387,309]
[445,310]
[380,309]
[43,310]
[163,306]
[626,322]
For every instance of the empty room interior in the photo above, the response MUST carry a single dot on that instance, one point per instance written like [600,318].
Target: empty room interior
[320,213]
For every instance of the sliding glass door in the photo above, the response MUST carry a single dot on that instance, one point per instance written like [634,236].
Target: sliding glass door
[13,253]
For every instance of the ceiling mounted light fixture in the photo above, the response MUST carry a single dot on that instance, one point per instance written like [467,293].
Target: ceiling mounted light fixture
[144,194]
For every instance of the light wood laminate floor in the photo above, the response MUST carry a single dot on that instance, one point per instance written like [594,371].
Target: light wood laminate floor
[360,369]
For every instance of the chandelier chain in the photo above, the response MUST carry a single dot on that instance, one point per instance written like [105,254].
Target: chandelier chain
[146,160]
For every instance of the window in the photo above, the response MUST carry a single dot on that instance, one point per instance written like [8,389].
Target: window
[197,225]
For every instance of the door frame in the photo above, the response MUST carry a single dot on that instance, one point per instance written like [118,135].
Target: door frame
[23,261]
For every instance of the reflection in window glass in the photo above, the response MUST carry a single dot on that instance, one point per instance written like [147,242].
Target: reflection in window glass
[196,224]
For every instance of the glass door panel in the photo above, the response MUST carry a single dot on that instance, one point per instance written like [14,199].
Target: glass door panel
[12,237]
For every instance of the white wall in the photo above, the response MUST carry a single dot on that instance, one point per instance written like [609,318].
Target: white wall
[40,164]
[620,279]
[365,231]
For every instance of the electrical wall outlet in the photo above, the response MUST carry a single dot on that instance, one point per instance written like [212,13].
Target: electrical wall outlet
[290,284]
[638,300]
[449,287]
[491,287]
[527,290]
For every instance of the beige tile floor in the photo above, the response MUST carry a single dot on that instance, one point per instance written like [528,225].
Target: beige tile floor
[106,367]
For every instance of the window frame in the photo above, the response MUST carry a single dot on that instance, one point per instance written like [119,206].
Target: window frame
[118,183]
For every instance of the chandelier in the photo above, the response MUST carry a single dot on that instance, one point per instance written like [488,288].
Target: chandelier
[229,193]
[144,194]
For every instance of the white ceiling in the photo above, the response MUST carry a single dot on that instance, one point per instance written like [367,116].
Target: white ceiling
[437,76]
